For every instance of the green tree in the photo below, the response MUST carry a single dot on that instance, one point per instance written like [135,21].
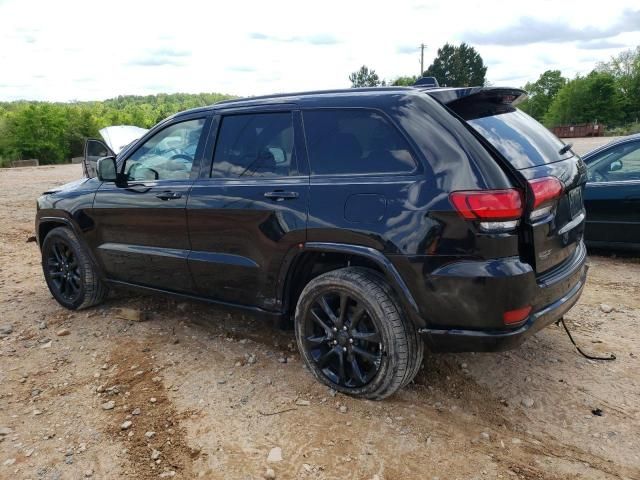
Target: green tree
[625,69]
[81,124]
[365,78]
[404,81]
[37,131]
[542,92]
[55,132]
[460,66]
[587,99]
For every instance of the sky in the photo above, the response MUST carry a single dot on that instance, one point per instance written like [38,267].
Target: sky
[88,50]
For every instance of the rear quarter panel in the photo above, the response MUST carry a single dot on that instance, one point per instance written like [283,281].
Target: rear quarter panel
[412,214]
[409,217]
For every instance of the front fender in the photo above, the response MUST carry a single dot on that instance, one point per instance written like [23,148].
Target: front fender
[46,220]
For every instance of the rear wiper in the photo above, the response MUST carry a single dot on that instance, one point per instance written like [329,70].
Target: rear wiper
[566,148]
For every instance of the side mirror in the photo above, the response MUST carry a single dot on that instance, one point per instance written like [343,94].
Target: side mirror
[615,166]
[106,169]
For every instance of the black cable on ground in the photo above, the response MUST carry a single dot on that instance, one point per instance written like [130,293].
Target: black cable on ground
[590,357]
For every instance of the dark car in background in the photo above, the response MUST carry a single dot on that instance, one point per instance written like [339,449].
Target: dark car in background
[612,195]
[376,220]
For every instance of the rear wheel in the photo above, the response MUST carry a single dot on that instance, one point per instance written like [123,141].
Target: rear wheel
[70,275]
[353,335]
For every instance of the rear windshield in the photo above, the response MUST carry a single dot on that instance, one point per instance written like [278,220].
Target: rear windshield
[520,138]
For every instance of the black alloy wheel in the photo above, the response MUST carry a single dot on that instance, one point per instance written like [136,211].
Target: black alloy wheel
[342,339]
[72,278]
[63,269]
[353,336]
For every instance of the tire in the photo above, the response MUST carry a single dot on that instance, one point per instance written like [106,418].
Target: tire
[71,276]
[368,326]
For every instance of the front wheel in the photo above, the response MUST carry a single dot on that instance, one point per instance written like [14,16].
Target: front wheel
[353,336]
[70,275]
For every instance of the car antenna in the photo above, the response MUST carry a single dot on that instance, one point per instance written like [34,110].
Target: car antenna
[590,357]
[566,148]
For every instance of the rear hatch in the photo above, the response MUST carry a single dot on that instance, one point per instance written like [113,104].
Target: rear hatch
[551,176]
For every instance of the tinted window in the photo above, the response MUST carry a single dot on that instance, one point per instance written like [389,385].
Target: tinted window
[96,148]
[168,155]
[521,139]
[256,145]
[618,163]
[354,142]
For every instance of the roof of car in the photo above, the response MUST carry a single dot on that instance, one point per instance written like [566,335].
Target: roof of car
[297,96]
[368,96]
[316,96]
[612,143]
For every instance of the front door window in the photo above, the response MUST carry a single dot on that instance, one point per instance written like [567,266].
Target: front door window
[168,155]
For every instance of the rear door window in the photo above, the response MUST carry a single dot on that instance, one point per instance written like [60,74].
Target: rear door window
[355,142]
[255,145]
[518,137]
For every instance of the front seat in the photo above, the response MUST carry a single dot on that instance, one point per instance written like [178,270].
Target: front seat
[264,164]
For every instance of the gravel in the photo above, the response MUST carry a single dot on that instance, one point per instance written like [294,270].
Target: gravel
[527,402]
[606,308]
[275,455]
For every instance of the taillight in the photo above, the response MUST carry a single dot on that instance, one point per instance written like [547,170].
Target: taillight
[496,210]
[546,191]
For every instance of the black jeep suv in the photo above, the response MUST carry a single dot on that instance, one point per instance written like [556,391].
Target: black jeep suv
[377,219]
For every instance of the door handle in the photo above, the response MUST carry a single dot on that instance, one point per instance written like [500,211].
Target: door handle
[279,195]
[169,195]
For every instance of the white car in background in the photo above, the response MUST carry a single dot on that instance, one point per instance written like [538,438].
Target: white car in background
[114,140]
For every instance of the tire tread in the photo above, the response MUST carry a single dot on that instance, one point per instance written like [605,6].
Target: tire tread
[95,290]
[407,346]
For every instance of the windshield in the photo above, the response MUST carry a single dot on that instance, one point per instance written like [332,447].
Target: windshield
[520,138]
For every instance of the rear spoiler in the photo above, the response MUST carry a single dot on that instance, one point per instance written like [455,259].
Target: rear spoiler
[499,95]
[476,102]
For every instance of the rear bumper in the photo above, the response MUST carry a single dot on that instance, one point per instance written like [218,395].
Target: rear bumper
[552,299]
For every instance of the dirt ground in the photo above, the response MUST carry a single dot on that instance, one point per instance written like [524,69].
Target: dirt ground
[222,391]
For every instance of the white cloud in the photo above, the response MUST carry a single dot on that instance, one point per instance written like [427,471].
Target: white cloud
[72,49]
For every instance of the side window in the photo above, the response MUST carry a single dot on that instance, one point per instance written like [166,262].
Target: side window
[168,155]
[618,164]
[354,142]
[255,145]
[95,148]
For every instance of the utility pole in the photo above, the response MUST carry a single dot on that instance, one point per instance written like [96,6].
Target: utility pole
[422,47]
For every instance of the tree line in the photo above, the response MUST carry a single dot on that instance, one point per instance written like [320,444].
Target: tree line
[608,95]
[55,132]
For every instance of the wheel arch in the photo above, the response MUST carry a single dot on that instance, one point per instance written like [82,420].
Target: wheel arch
[46,224]
[315,258]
